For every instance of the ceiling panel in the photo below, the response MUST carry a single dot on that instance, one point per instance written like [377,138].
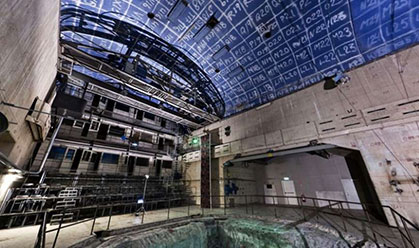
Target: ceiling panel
[275,47]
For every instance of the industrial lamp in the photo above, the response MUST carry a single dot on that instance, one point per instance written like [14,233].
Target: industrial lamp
[333,81]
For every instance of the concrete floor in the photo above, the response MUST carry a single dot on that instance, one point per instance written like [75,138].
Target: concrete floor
[26,236]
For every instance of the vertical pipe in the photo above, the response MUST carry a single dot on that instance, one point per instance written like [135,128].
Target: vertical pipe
[51,143]
[110,216]
[225,207]
[245,200]
[251,205]
[341,216]
[168,210]
[59,228]
[44,230]
[94,221]
[145,188]
[142,217]
[210,168]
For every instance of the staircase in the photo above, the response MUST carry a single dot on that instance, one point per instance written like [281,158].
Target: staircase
[68,199]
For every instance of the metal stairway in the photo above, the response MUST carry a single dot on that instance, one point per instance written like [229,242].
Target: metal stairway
[68,199]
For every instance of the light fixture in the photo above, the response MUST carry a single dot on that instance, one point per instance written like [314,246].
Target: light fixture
[147,176]
[206,28]
[286,178]
[263,106]
[333,81]
[150,15]
[195,140]
[178,8]
[134,144]
[5,183]
[221,52]
[239,69]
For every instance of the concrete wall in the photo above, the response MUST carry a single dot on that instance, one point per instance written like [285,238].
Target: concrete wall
[376,113]
[312,175]
[28,58]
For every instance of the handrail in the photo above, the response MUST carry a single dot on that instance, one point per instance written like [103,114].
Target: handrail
[331,204]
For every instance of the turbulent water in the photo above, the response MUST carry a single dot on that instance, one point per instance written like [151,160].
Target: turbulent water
[233,233]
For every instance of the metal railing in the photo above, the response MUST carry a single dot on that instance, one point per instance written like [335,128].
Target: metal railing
[351,215]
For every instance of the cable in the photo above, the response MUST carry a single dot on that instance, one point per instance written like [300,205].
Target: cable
[394,155]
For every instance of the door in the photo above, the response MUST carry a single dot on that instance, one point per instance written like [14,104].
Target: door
[97,161]
[76,160]
[270,191]
[160,146]
[158,167]
[96,100]
[85,130]
[103,131]
[350,193]
[131,162]
[288,189]
[110,105]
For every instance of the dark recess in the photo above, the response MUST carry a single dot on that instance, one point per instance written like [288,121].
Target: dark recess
[364,185]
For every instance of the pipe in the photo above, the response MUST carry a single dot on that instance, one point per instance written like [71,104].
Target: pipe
[51,143]
[210,178]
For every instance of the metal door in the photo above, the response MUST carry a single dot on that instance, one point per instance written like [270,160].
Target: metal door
[288,189]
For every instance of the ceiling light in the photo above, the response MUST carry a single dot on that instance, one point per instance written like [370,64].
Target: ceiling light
[239,69]
[286,178]
[224,50]
[178,8]
[206,28]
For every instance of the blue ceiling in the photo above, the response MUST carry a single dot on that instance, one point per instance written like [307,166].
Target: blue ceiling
[275,47]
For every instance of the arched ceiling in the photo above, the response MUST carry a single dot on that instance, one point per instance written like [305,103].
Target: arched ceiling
[255,51]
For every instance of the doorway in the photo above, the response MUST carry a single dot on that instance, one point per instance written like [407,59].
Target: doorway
[102,132]
[270,193]
[158,167]
[76,160]
[131,162]
[288,189]
[110,105]
[364,186]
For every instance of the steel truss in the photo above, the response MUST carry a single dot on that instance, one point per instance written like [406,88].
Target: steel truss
[192,91]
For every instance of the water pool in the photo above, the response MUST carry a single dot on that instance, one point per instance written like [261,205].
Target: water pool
[234,232]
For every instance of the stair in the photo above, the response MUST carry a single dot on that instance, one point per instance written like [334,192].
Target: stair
[69,192]
[66,217]
[67,201]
